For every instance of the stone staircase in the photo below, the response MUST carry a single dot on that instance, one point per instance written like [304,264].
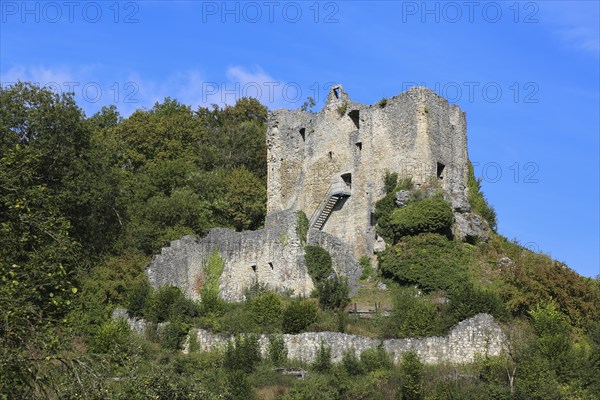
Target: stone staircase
[335,193]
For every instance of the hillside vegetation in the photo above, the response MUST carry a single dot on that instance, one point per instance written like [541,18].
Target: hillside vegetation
[86,201]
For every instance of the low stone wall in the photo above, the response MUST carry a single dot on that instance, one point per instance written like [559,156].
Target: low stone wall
[476,335]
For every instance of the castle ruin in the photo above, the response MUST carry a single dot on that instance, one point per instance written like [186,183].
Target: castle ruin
[330,165]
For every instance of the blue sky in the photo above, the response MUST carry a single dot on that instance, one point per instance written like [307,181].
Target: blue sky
[527,74]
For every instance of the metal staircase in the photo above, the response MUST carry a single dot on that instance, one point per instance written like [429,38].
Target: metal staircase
[336,192]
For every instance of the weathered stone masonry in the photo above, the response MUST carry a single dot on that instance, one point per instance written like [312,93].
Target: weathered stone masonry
[330,165]
[476,335]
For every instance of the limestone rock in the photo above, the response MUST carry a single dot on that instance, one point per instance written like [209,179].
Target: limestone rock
[470,226]
[402,197]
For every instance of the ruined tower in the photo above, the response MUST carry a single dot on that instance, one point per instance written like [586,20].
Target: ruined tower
[331,166]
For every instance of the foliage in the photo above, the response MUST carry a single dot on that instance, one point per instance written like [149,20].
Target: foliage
[277,350]
[318,263]
[367,268]
[382,103]
[333,293]
[432,215]
[412,316]
[299,315]
[308,105]
[411,370]
[467,300]
[477,200]
[242,354]
[374,359]
[173,334]
[266,310]
[390,182]
[533,278]
[342,108]
[429,260]
[169,304]
[255,289]
[323,359]
[302,227]
[113,338]
[351,363]
[210,301]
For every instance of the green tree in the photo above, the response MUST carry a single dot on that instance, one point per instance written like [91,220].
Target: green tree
[266,310]
[411,373]
[299,315]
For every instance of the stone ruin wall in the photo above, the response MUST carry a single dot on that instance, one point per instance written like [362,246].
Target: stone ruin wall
[414,132]
[273,255]
[473,336]
[478,335]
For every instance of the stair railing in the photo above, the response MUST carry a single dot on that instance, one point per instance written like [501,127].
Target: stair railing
[335,187]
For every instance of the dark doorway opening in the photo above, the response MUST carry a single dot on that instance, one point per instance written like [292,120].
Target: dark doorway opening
[440,170]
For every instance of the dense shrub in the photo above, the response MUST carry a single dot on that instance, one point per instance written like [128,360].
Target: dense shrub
[390,181]
[430,261]
[138,296]
[266,310]
[169,304]
[173,335]
[468,300]
[277,350]
[367,268]
[323,360]
[302,227]
[351,363]
[318,263]
[375,358]
[478,201]
[113,338]
[412,316]
[299,315]
[243,353]
[333,293]
[432,215]
[411,374]
[534,278]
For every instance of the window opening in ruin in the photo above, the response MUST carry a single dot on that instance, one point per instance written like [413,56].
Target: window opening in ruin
[303,133]
[347,179]
[359,146]
[354,116]
[330,155]
[271,265]
[440,170]
[253,268]
[336,92]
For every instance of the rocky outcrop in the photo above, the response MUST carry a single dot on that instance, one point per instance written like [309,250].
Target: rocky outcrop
[470,227]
